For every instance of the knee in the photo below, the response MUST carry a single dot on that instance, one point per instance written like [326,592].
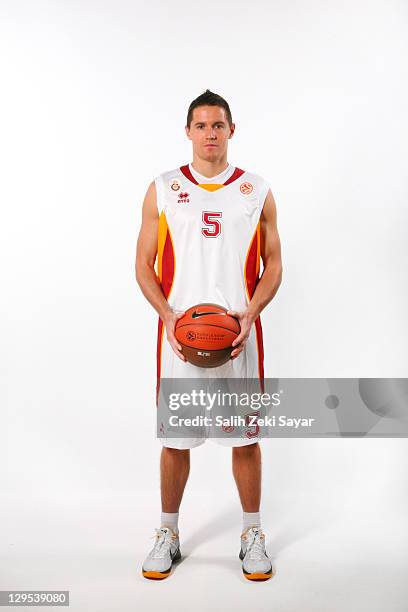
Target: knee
[247,450]
[176,452]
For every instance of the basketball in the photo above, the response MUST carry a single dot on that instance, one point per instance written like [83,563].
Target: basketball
[206,333]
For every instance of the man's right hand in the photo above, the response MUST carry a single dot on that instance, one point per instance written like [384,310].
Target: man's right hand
[170,323]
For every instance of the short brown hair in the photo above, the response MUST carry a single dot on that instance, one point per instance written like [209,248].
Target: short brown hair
[208,98]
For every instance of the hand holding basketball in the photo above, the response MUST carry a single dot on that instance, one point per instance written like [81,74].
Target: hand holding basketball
[245,319]
[206,333]
[170,323]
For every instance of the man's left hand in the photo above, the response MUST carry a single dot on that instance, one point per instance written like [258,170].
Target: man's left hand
[245,320]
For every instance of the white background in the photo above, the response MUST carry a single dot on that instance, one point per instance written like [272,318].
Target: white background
[93,101]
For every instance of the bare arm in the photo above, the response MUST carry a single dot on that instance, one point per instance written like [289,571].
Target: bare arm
[146,253]
[271,276]
[271,257]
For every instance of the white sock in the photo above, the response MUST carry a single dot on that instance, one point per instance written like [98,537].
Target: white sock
[170,519]
[251,519]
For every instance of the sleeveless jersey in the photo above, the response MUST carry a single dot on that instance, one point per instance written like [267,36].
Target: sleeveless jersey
[209,251]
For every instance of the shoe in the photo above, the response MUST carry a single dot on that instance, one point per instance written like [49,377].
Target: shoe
[166,549]
[256,564]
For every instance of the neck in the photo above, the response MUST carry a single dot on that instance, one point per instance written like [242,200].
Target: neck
[209,168]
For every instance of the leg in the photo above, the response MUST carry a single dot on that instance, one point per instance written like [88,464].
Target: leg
[246,467]
[174,471]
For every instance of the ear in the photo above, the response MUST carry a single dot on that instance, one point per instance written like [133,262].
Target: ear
[188,132]
[232,130]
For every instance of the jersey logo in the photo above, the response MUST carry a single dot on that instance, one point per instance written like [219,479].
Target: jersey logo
[175,185]
[246,188]
[183,197]
[196,314]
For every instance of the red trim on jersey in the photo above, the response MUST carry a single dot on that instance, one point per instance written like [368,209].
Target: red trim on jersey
[166,283]
[234,176]
[252,280]
[250,268]
[187,173]
[159,346]
[167,266]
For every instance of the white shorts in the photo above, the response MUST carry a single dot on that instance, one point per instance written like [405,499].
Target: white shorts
[248,365]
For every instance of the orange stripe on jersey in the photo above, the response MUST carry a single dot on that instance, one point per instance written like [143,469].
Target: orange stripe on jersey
[210,186]
[166,268]
[252,269]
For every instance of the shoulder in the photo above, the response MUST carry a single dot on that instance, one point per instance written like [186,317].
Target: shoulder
[169,181]
[254,177]
[169,175]
[257,183]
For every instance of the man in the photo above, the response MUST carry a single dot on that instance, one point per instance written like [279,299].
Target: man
[209,223]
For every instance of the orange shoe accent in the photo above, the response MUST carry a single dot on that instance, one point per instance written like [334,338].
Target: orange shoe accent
[156,575]
[258,576]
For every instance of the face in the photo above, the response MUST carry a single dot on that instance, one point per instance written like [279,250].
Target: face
[209,132]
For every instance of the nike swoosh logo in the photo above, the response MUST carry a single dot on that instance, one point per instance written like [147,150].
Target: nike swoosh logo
[196,314]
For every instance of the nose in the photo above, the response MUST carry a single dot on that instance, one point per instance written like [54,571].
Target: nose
[211,133]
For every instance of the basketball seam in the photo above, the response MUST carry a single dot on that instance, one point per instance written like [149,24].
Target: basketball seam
[206,350]
[207,325]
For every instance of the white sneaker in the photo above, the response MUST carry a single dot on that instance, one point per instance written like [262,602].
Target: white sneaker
[166,549]
[256,564]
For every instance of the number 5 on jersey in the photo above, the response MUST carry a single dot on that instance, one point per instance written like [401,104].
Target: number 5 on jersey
[212,222]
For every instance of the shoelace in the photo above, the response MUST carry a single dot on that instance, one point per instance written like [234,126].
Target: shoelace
[256,545]
[162,544]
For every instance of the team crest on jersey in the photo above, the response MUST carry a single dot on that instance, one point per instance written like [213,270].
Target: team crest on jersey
[175,185]
[183,197]
[246,188]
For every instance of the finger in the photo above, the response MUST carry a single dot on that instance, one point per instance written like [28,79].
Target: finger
[240,338]
[233,313]
[241,345]
[178,353]
[173,341]
[237,351]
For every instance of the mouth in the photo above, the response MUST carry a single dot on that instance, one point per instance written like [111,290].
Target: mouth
[210,146]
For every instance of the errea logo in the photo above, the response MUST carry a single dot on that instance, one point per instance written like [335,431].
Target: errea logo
[183,197]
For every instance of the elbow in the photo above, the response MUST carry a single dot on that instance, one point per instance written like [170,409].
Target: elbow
[275,273]
[142,271]
[139,278]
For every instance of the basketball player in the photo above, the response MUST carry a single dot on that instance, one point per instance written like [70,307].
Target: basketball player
[208,223]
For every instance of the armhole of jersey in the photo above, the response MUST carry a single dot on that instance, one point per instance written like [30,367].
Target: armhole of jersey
[159,194]
[263,192]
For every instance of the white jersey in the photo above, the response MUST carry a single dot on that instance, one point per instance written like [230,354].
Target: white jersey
[209,251]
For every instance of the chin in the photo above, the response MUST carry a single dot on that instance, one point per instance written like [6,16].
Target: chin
[211,153]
